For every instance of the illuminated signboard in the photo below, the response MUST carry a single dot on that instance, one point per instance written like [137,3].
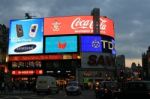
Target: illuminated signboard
[98,43]
[91,44]
[26,36]
[94,60]
[76,25]
[108,45]
[113,48]
[61,44]
[27,72]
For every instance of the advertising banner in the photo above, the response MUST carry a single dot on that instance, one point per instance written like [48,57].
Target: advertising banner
[113,48]
[26,36]
[100,60]
[108,45]
[97,43]
[76,25]
[91,44]
[61,44]
[27,72]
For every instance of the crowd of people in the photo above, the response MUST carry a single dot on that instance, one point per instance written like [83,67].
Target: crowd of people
[17,85]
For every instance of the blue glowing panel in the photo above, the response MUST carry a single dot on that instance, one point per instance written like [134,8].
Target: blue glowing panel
[26,36]
[61,44]
[113,50]
[91,44]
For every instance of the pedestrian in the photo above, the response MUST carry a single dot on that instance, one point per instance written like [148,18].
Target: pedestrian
[3,87]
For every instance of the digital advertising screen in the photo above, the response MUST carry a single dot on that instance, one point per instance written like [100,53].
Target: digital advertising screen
[108,45]
[26,36]
[113,49]
[61,44]
[97,43]
[91,44]
[94,60]
[77,25]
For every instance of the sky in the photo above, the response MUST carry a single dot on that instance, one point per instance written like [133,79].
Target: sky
[131,19]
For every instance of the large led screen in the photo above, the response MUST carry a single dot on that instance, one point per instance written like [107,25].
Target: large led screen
[108,45]
[77,25]
[61,44]
[113,48]
[91,44]
[26,36]
[98,43]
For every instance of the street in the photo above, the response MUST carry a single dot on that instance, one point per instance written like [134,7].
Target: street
[86,94]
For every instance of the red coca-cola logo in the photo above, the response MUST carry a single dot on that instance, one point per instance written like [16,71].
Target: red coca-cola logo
[103,24]
[79,23]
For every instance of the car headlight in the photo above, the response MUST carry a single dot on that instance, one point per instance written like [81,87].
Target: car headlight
[106,90]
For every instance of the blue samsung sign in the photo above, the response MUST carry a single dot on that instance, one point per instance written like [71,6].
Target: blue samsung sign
[26,36]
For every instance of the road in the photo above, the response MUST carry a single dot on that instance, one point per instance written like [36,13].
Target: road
[86,94]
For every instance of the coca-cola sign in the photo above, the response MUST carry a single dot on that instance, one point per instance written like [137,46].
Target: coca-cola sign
[77,25]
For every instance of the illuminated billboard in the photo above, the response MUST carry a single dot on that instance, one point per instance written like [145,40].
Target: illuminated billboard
[76,25]
[27,72]
[97,43]
[26,36]
[108,45]
[113,48]
[97,60]
[91,44]
[61,44]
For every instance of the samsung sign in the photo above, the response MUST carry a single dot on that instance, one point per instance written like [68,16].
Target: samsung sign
[97,44]
[25,48]
[26,37]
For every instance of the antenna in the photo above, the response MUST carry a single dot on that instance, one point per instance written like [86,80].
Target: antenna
[28,16]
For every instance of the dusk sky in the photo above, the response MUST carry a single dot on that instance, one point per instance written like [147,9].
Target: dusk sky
[131,18]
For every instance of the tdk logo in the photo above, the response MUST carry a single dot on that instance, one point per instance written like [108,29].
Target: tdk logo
[25,48]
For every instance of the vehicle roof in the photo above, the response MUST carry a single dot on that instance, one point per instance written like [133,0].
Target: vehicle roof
[42,77]
[109,81]
[73,82]
[140,81]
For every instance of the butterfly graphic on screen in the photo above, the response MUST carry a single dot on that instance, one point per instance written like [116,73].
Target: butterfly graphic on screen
[61,45]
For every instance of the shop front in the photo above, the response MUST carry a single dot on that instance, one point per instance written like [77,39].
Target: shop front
[26,68]
[89,77]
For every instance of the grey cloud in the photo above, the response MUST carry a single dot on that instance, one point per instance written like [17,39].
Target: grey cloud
[131,17]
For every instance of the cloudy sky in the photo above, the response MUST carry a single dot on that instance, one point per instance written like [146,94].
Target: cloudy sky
[131,17]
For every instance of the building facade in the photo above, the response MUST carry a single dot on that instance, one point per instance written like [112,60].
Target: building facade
[146,64]
[3,43]
[3,52]
[120,64]
[63,47]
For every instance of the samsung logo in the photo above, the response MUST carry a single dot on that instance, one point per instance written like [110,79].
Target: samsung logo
[25,48]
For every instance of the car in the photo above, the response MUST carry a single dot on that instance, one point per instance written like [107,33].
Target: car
[46,84]
[107,90]
[136,90]
[72,88]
